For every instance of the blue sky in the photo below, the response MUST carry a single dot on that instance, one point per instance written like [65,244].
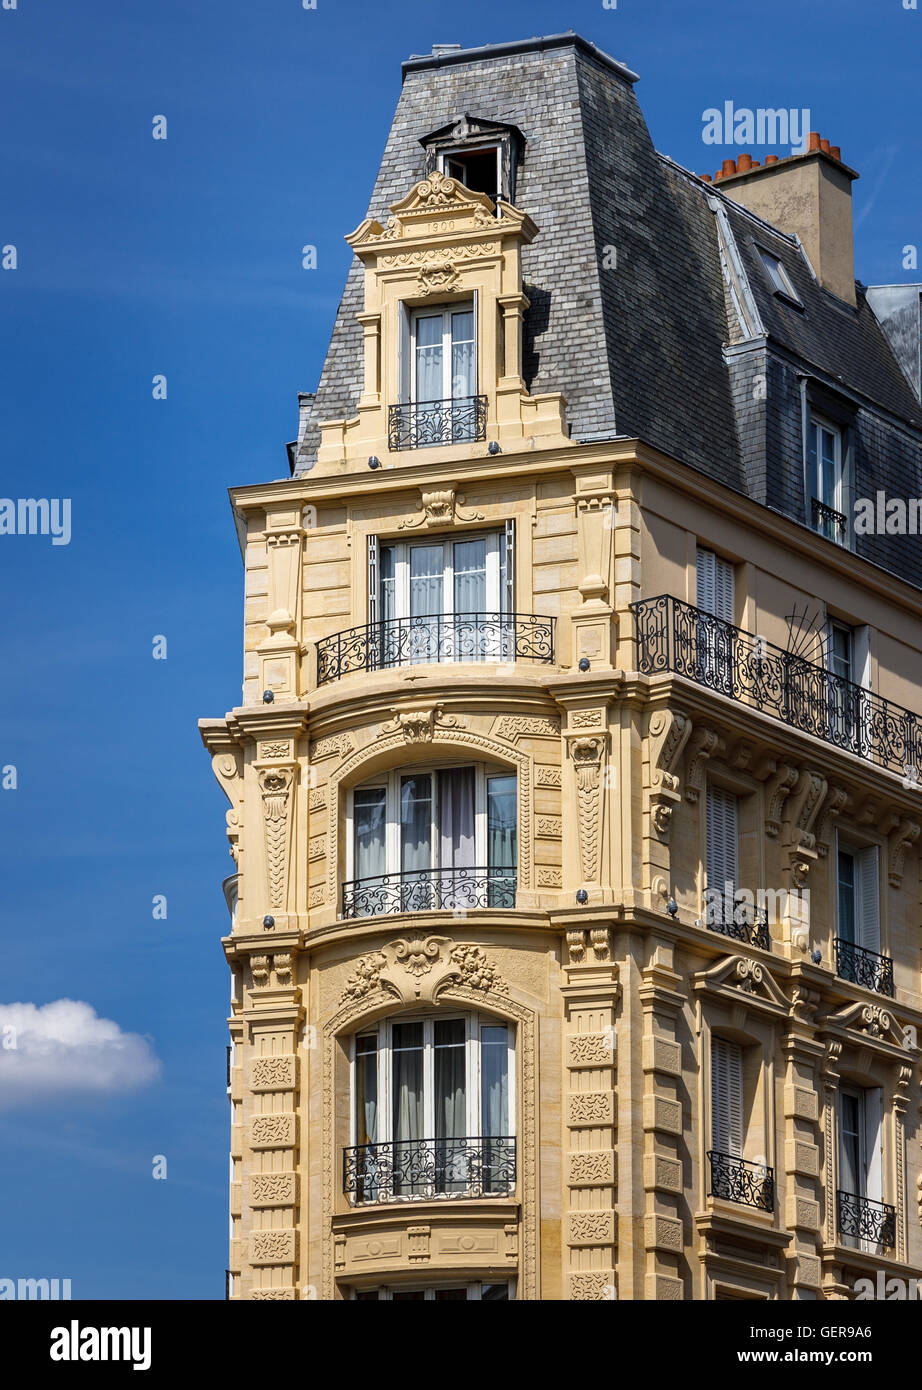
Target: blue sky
[182,257]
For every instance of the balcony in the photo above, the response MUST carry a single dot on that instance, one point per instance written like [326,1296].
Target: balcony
[742,923]
[735,1180]
[675,636]
[425,424]
[863,967]
[421,1169]
[425,640]
[828,522]
[861,1218]
[430,890]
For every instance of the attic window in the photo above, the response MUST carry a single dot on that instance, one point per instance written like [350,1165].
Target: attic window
[479,169]
[779,278]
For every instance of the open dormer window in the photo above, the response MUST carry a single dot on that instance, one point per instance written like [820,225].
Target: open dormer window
[480,170]
[444,356]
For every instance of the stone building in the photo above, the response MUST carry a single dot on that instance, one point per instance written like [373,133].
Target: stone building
[575,931]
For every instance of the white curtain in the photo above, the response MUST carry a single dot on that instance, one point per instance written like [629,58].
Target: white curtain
[451,1163]
[429,358]
[462,355]
[470,566]
[407,1063]
[457,849]
[369,822]
[502,840]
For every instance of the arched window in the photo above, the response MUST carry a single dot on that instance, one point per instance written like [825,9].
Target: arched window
[432,1109]
[431,838]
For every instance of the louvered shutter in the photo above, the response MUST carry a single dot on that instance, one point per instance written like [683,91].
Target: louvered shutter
[722,844]
[868,899]
[715,585]
[727,1097]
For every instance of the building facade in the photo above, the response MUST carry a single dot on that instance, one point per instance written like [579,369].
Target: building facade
[573,791]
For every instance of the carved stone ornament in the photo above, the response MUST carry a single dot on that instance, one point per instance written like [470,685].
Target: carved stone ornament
[587,762]
[416,968]
[668,733]
[275,783]
[440,508]
[419,725]
[702,746]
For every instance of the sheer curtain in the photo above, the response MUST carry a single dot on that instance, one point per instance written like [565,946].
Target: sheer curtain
[369,823]
[429,358]
[416,841]
[407,1062]
[463,375]
[451,1167]
[494,1103]
[427,568]
[457,848]
[502,840]
[366,1115]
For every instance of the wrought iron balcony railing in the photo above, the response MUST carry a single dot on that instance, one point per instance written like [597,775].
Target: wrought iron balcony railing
[828,522]
[675,636]
[741,922]
[434,638]
[430,890]
[860,966]
[422,424]
[419,1168]
[864,1219]
[735,1180]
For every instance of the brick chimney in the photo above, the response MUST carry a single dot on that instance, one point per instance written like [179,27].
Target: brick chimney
[810,194]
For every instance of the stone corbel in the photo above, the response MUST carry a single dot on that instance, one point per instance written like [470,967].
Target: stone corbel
[803,807]
[832,807]
[898,844]
[776,793]
[704,743]
[668,732]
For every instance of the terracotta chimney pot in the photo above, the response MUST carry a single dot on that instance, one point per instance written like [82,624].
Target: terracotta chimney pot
[744,163]
[729,166]
[814,140]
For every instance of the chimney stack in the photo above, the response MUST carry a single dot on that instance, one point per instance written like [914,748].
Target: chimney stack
[810,194]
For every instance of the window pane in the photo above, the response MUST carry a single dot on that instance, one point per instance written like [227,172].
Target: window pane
[494,1293]
[450,1105]
[494,1079]
[451,1295]
[470,565]
[502,843]
[429,358]
[387,582]
[366,1089]
[415,822]
[409,1296]
[407,1064]
[427,564]
[850,1125]
[463,381]
[368,831]
[846,921]
[456,820]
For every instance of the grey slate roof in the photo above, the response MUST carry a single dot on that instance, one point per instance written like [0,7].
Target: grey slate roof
[639,350]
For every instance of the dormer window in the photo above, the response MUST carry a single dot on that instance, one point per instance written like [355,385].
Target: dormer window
[439,401]
[827,480]
[479,169]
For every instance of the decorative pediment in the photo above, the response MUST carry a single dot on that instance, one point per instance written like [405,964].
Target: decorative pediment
[415,969]
[441,206]
[469,127]
[873,1023]
[741,981]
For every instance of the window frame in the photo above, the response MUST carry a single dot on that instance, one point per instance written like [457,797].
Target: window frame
[474,1289]
[445,311]
[776,273]
[458,152]
[818,422]
[497,557]
[383,1030]
[860,853]
[390,781]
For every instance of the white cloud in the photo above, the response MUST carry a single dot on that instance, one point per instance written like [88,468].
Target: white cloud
[63,1049]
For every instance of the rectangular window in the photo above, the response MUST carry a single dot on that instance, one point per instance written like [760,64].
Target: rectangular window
[722,861]
[860,1181]
[444,358]
[715,600]
[778,277]
[727,1097]
[827,479]
[858,897]
[443,838]
[478,169]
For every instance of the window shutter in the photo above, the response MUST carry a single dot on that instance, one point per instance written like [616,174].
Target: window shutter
[715,585]
[874,1116]
[507,600]
[723,590]
[706,580]
[722,841]
[868,904]
[727,1097]
[372,579]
